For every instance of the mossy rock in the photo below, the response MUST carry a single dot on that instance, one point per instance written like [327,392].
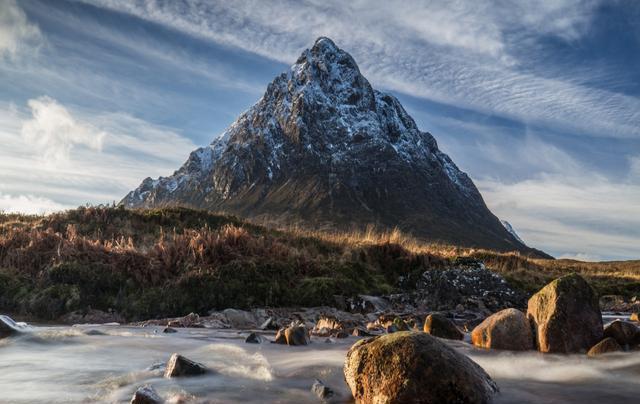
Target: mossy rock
[566,316]
[414,367]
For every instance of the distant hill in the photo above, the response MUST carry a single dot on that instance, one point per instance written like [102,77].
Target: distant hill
[323,149]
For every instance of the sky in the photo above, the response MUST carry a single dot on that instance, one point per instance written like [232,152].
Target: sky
[538,101]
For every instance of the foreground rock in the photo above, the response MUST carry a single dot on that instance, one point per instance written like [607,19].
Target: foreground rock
[625,333]
[508,329]
[179,366]
[293,335]
[414,367]
[8,327]
[605,346]
[146,395]
[440,326]
[566,316]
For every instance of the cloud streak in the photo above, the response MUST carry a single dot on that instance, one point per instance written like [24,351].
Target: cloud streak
[16,32]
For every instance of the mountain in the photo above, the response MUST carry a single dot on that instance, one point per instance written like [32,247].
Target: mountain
[511,230]
[322,148]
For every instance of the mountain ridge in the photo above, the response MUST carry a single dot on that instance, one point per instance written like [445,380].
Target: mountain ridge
[324,149]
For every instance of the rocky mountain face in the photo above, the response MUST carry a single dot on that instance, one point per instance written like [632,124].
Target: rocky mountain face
[322,148]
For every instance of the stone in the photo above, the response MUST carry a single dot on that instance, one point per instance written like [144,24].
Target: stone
[319,389]
[414,367]
[440,326]
[293,335]
[8,327]
[191,320]
[146,395]
[635,317]
[605,346]
[253,338]
[508,329]
[361,332]
[169,330]
[240,319]
[566,316]
[179,366]
[625,333]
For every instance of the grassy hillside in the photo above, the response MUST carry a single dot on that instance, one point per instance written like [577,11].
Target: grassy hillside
[166,262]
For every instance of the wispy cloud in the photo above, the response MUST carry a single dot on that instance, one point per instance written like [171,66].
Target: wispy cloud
[80,155]
[460,53]
[29,204]
[16,32]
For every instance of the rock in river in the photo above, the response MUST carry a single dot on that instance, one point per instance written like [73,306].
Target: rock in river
[566,316]
[9,327]
[146,395]
[179,366]
[414,367]
[607,345]
[507,329]
[625,333]
[293,335]
[440,326]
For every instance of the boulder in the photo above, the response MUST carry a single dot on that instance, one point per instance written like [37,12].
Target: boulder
[253,338]
[240,319]
[440,326]
[607,345]
[169,330]
[146,395]
[321,391]
[179,366]
[414,367]
[293,335]
[625,333]
[566,316]
[635,317]
[508,329]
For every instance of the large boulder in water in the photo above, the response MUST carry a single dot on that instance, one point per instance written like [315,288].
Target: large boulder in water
[440,326]
[414,367]
[607,345]
[566,316]
[295,334]
[508,329]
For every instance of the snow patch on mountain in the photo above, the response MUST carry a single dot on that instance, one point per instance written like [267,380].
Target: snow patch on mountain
[511,230]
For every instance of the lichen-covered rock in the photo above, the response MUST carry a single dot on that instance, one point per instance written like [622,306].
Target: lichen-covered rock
[508,329]
[440,326]
[146,395]
[414,367]
[625,333]
[605,346]
[179,366]
[566,316]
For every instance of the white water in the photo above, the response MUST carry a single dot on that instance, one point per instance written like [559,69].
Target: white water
[64,364]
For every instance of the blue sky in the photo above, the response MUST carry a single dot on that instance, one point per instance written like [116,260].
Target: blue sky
[538,101]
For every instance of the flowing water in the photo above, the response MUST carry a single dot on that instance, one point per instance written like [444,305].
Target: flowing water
[107,364]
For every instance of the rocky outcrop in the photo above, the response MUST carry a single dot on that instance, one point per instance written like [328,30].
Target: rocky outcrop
[440,326]
[414,367]
[179,366]
[508,329]
[566,316]
[607,345]
[146,395]
[625,333]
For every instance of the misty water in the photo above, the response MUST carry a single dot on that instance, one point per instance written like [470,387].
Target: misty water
[107,364]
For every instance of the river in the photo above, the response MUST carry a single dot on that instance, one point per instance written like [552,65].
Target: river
[60,364]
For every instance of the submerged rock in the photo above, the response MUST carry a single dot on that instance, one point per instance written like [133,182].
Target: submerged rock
[323,392]
[625,333]
[253,338]
[508,329]
[440,326]
[169,330]
[566,316]
[146,395]
[179,366]
[414,367]
[607,345]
